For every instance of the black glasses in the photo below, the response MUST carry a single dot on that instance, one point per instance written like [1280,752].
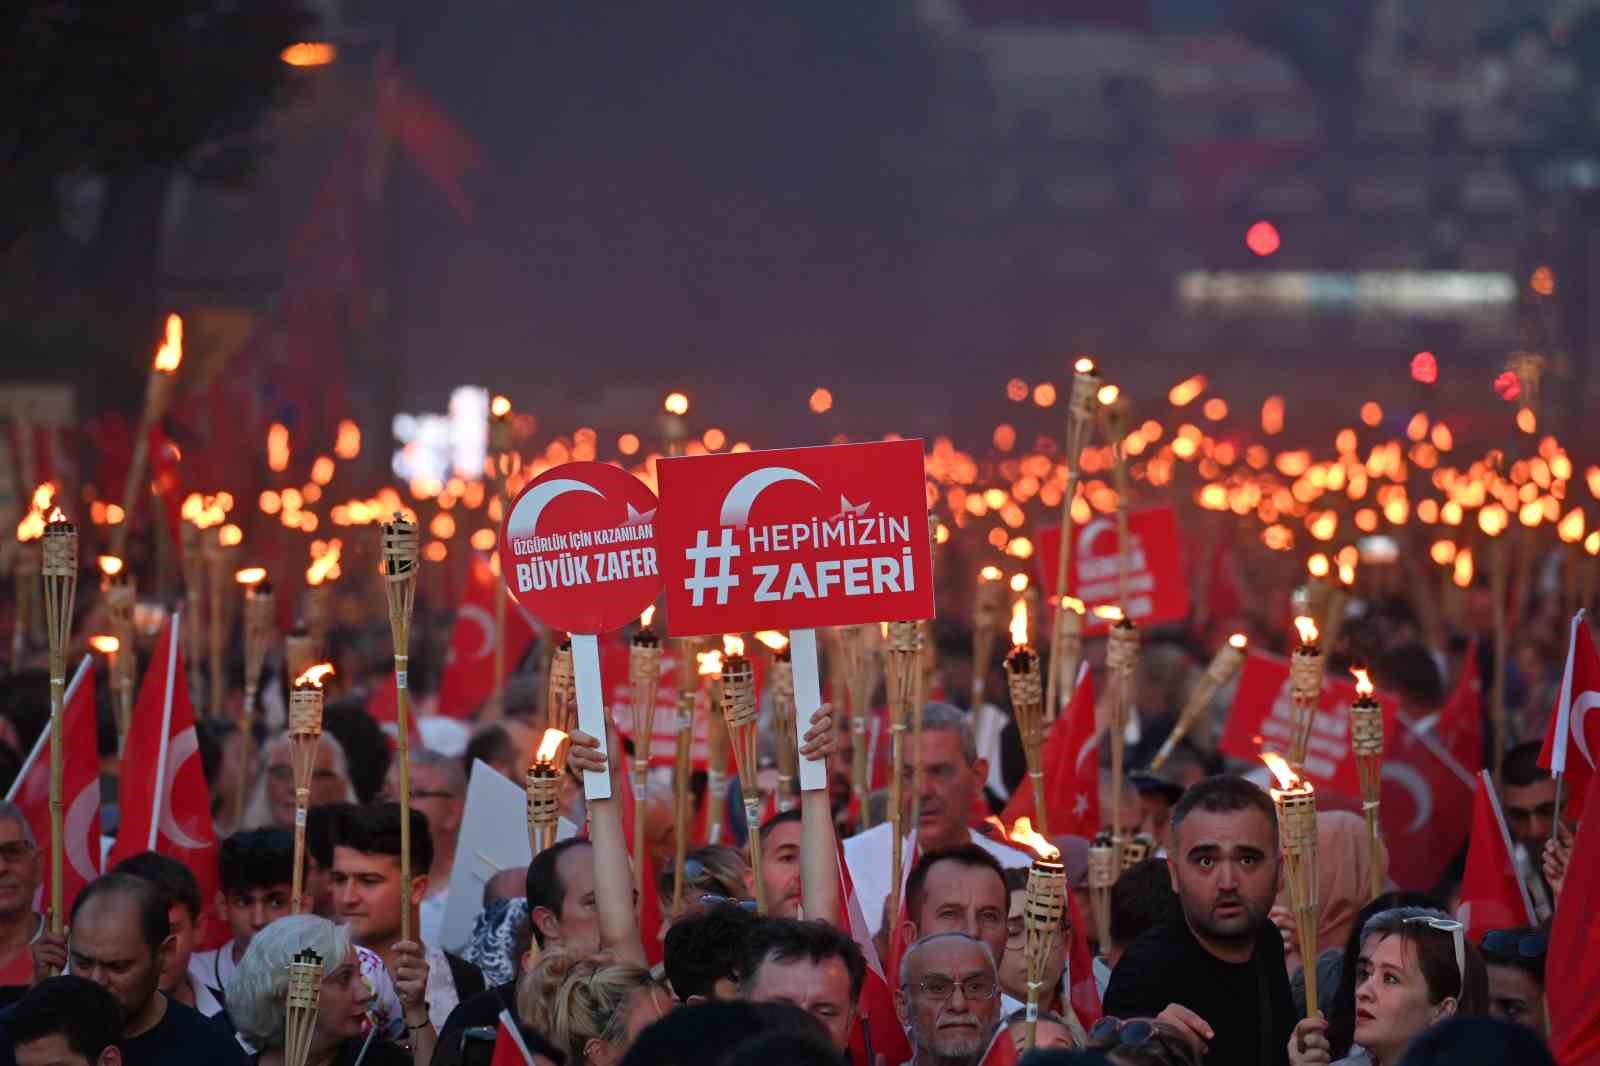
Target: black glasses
[937,988]
[16,850]
[1508,943]
[717,901]
[1109,1032]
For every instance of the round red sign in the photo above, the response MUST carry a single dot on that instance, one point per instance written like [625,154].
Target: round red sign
[578,548]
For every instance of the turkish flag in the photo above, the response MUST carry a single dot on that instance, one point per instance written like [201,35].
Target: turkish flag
[469,667]
[80,791]
[1569,727]
[1426,807]
[166,481]
[436,143]
[1070,762]
[1572,968]
[1459,724]
[509,1049]
[166,806]
[1158,586]
[1492,895]
[878,1027]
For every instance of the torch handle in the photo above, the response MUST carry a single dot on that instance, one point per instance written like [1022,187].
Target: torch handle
[58,686]
[752,821]
[680,806]
[641,768]
[402,751]
[130,485]
[1055,679]
[246,755]
[896,819]
[301,798]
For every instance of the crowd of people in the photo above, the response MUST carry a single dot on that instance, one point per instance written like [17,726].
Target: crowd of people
[1199,963]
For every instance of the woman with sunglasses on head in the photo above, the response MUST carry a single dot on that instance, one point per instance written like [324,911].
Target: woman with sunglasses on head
[1415,970]
[1141,1042]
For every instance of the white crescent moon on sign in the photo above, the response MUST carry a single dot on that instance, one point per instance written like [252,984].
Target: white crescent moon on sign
[1580,707]
[184,746]
[525,515]
[1091,533]
[1408,777]
[79,820]
[485,623]
[736,505]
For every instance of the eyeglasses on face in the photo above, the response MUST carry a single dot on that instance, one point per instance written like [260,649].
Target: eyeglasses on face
[936,987]
[13,851]
[1508,943]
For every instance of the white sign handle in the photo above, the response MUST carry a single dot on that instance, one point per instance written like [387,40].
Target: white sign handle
[807,700]
[591,708]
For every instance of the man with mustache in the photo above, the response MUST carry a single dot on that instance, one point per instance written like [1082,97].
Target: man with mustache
[1215,971]
[949,999]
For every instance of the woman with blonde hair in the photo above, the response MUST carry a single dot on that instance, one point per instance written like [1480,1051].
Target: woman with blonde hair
[591,1008]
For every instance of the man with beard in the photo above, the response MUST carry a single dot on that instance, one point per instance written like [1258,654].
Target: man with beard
[1215,971]
[949,999]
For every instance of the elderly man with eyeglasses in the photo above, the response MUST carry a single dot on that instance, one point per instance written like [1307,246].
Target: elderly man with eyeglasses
[19,882]
[949,999]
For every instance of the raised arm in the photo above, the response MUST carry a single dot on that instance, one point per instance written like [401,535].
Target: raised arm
[819,847]
[613,872]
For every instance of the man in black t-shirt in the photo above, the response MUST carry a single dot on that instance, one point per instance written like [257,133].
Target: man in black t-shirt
[1216,971]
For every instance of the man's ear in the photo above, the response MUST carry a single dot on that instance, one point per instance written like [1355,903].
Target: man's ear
[544,919]
[111,1056]
[908,932]
[165,950]
[902,1006]
[419,888]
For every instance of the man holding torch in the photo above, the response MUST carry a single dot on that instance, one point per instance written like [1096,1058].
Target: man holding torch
[1216,970]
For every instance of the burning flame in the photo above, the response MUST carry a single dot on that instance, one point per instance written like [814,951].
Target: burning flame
[323,565]
[44,495]
[105,645]
[1493,519]
[1363,681]
[56,516]
[499,407]
[998,826]
[710,663]
[1186,391]
[1109,612]
[548,747]
[732,645]
[1023,833]
[1085,365]
[1019,582]
[989,573]
[1317,565]
[1019,623]
[110,565]
[31,527]
[676,404]
[1288,780]
[1571,527]
[1307,630]
[1347,574]
[170,354]
[313,676]
[648,617]
[1072,603]
[193,507]
[230,536]
[252,576]
[773,639]
[1238,641]
[1108,395]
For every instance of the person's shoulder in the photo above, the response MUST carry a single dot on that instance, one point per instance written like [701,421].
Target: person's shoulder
[184,1029]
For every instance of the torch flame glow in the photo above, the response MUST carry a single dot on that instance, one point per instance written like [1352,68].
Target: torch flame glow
[1019,623]
[110,565]
[548,746]
[989,573]
[732,645]
[230,536]
[1108,395]
[1073,604]
[648,617]
[313,676]
[324,564]
[31,527]
[1024,834]
[1307,630]
[1109,612]
[252,575]
[710,663]
[1288,780]
[773,639]
[499,407]
[43,495]
[56,515]
[1238,641]
[1317,565]
[998,826]
[105,645]
[1084,365]
[1019,582]
[170,354]
[1363,681]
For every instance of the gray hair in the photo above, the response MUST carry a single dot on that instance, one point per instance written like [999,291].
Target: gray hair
[935,938]
[257,989]
[948,718]
[451,765]
[258,813]
[9,810]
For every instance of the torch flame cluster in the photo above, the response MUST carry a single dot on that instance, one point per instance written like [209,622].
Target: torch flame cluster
[312,678]
[1023,834]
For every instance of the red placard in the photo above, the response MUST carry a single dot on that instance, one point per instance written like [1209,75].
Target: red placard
[795,538]
[1262,716]
[1158,589]
[578,548]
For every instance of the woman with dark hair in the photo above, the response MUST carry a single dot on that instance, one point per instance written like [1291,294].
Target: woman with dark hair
[1415,970]
[1336,971]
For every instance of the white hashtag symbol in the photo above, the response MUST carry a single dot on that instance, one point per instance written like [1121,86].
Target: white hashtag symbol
[698,583]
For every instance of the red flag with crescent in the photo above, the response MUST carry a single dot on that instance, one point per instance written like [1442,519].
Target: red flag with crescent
[1572,728]
[1070,761]
[166,806]
[80,794]
[468,678]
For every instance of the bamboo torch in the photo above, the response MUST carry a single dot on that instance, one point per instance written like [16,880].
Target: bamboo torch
[780,683]
[118,592]
[502,451]
[903,663]
[192,538]
[220,546]
[681,768]
[1305,689]
[988,606]
[299,654]
[305,737]
[304,994]
[851,644]
[319,593]
[60,570]
[1122,661]
[1080,419]
[400,585]
[1366,743]
[260,621]
[1116,411]
[1044,904]
[644,677]
[740,711]
[1066,653]
[157,395]
[1027,706]
[560,710]
[544,790]
[1218,672]
[1103,860]
[716,741]
[1297,834]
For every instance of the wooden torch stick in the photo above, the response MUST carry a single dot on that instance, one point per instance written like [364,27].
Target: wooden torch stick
[400,586]
[260,621]
[903,661]
[1366,744]
[157,394]
[1080,419]
[644,676]
[305,737]
[60,570]
[741,713]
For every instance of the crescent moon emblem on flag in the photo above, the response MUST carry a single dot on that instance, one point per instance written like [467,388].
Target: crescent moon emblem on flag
[485,623]
[736,505]
[1581,707]
[524,519]
[1091,533]
[1407,777]
[79,820]
[184,746]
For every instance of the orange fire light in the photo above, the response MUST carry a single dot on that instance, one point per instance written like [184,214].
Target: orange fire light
[170,355]
[549,746]
[1019,623]
[1024,834]
[313,677]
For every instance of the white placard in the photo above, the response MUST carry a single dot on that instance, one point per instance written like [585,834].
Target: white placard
[807,699]
[591,708]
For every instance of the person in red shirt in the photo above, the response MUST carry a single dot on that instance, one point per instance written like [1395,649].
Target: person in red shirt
[20,870]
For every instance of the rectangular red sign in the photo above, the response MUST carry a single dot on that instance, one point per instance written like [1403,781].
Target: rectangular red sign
[1158,588]
[1262,717]
[795,538]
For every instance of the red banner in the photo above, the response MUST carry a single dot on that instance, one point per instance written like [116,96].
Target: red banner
[1158,588]
[1262,717]
[795,538]
[578,550]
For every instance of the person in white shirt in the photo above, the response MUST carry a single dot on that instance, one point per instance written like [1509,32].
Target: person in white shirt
[952,782]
